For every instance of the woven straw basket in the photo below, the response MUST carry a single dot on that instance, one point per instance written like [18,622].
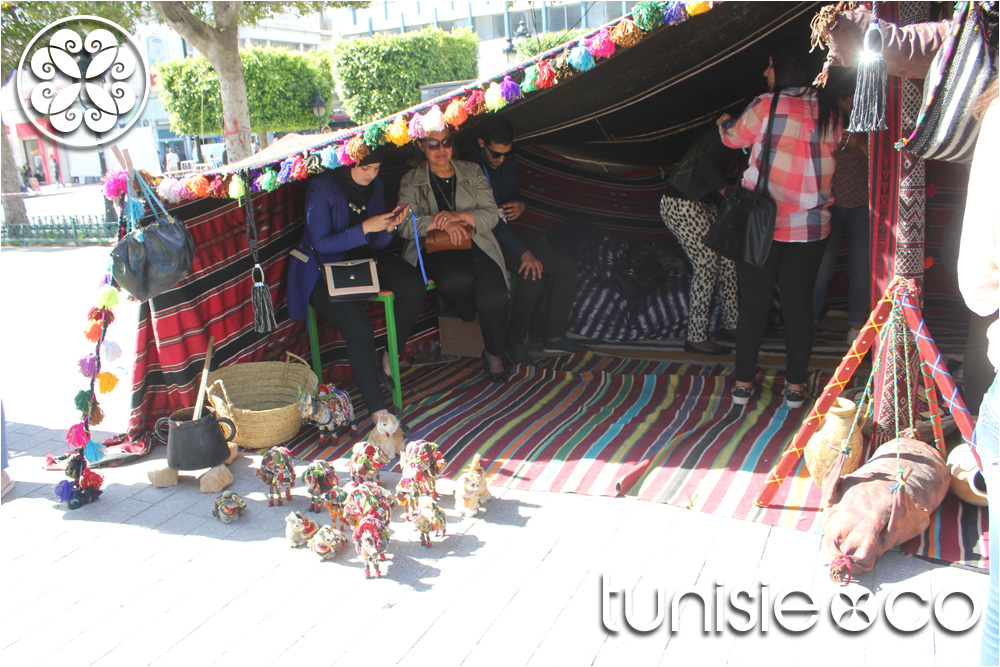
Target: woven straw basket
[262,399]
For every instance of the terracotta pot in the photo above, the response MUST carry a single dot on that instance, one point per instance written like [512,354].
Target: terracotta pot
[825,444]
[967,481]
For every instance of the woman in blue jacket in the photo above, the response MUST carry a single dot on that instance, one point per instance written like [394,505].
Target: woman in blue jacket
[346,220]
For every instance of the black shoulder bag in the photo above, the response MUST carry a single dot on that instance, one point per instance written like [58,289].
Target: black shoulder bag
[744,230]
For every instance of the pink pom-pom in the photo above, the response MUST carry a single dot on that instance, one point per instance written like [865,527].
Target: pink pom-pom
[416,129]
[343,156]
[115,184]
[299,168]
[77,435]
[601,45]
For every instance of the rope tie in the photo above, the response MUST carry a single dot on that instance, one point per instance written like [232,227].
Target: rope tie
[260,294]
[847,563]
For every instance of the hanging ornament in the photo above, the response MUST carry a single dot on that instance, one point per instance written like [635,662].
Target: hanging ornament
[65,490]
[493,98]
[561,67]
[198,186]
[236,188]
[433,120]
[83,401]
[580,58]
[299,168]
[475,105]
[456,114]
[285,172]
[268,180]
[88,365]
[528,83]
[674,13]
[314,163]
[546,75]
[869,112]
[510,90]
[93,451]
[698,7]
[648,15]
[115,184]
[626,33]
[110,350]
[357,148]
[77,435]
[165,190]
[101,315]
[106,382]
[416,128]
[93,331]
[398,132]
[180,192]
[600,45]
[108,297]
[217,188]
[343,157]
[375,134]
[96,415]
[328,157]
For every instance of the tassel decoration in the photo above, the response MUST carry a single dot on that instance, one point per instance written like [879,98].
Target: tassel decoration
[343,157]
[82,400]
[399,132]
[93,331]
[88,365]
[546,76]
[65,490]
[299,170]
[263,308]
[328,157]
[106,382]
[528,83]
[77,435]
[416,128]
[93,451]
[109,297]
[561,67]
[869,110]
[626,33]
[493,99]
[357,148]
[313,163]
[218,187]
[375,134]
[180,192]
[433,120]
[101,315]
[96,415]
[475,105]
[268,180]
[580,58]
[285,172]
[648,16]
[675,12]
[110,351]
[698,7]
[600,45]
[456,114]
[197,186]
[115,184]
[133,209]
[90,479]
[166,191]
[236,188]
[510,90]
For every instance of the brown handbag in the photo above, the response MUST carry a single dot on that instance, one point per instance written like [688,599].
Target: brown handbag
[439,239]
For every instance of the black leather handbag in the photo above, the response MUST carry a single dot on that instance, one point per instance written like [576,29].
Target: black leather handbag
[744,229]
[150,260]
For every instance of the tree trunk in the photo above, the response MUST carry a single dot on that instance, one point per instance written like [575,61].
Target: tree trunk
[14,212]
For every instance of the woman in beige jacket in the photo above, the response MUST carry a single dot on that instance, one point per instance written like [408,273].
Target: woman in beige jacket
[454,196]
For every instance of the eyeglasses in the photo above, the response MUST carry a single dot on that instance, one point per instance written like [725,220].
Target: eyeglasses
[497,155]
[434,144]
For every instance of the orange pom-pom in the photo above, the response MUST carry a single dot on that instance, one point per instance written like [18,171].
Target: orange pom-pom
[626,33]
[357,148]
[106,382]
[93,331]
[198,186]
[456,114]
[96,415]
[698,7]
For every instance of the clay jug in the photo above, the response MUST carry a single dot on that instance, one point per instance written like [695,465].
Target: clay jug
[967,481]
[825,444]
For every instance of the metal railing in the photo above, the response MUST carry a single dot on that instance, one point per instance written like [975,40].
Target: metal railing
[60,230]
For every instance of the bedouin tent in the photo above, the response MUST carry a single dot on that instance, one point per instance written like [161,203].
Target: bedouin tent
[593,146]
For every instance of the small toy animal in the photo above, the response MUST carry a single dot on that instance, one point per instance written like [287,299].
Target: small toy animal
[407,496]
[366,462]
[428,518]
[319,477]
[467,494]
[477,467]
[370,544]
[299,528]
[336,498]
[423,463]
[276,470]
[329,409]
[327,543]
[368,499]
[387,436]
[229,507]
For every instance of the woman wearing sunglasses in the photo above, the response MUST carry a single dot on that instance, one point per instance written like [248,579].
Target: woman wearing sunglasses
[454,196]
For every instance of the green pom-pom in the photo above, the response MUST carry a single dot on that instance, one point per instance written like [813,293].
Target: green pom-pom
[530,76]
[648,15]
[82,401]
[375,134]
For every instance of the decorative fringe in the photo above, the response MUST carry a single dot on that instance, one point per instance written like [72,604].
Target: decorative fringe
[263,309]
[96,415]
[399,132]
[510,90]
[698,7]
[580,58]
[299,170]
[869,110]
[600,45]
[285,172]
[218,187]
[93,451]
[475,105]
[546,76]
[648,15]
[675,12]
[133,209]
[88,365]
[416,128]
[528,82]
[93,331]
[77,435]
[493,99]
[82,400]
[108,298]
[110,351]
[626,33]
[106,382]
[433,120]
[236,188]
[115,184]
[456,114]
[268,180]
[357,148]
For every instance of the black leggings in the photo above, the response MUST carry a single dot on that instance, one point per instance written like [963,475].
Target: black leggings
[351,319]
[793,267]
[472,283]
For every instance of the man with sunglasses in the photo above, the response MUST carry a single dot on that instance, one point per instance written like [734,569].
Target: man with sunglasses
[526,255]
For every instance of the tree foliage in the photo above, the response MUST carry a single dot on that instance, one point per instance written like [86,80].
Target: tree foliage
[280,88]
[536,44]
[380,75]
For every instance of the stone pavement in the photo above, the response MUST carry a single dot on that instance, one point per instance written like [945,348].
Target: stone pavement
[147,576]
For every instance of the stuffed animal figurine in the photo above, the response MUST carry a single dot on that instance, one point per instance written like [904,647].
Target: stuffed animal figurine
[335,499]
[423,463]
[319,477]
[387,436]
[429,517]
[407,496]
[276,470]
[328,410]
[327,543]
[299,529]
[477,467]
[467,494]
[370,544]
[229,507]
[366,462]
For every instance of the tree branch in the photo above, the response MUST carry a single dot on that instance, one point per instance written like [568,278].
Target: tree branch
[227,14]
[189,26]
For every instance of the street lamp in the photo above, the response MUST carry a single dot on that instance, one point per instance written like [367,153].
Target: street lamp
[520,34]
[318,106]
[510,52]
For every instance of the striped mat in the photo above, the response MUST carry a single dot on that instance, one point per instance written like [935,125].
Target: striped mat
[659,430]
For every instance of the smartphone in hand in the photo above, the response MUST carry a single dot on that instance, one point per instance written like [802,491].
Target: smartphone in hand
[398,211]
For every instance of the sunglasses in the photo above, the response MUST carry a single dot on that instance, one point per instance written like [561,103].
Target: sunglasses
[434,144]
[497,155]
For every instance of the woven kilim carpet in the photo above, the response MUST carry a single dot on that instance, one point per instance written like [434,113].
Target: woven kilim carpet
[663,431]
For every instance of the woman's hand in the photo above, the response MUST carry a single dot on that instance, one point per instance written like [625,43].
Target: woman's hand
[453,223]
[378,223]
[442,219]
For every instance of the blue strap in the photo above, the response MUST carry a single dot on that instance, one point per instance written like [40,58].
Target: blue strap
[151,197]
[416,240]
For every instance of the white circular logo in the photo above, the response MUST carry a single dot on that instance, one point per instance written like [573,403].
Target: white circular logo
[83,91]
[854,608]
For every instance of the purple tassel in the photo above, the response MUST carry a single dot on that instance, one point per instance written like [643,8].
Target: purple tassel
[106,280]
[77,435]
[88,365]
[285,174]
[254,177]
[65,490]
[509,89]
[416,128]
[674,13]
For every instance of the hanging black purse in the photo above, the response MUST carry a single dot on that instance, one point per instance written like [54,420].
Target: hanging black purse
[744,229]
[150,260]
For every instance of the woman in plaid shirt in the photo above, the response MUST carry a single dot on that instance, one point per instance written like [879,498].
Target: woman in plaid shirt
[806,131]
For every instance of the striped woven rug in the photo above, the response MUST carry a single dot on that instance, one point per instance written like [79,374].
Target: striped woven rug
[662,431]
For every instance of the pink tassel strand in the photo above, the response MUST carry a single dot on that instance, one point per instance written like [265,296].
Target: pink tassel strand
[77,435]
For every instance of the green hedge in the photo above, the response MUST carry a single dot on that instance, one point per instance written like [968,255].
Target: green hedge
[280,86]
[380,75]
